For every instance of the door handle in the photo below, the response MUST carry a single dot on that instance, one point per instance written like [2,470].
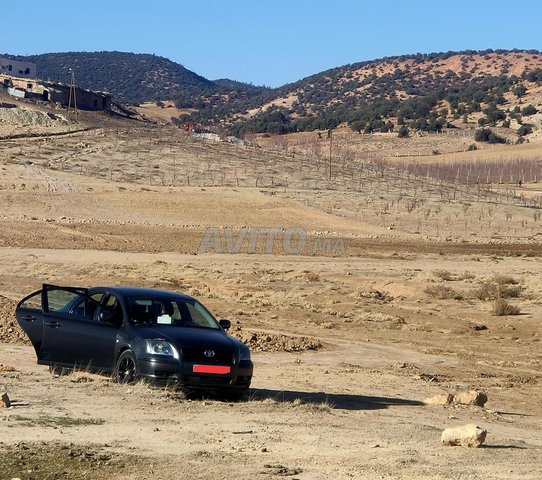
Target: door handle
[53,324]
[29,318]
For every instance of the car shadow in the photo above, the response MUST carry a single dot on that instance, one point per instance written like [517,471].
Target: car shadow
[340,401]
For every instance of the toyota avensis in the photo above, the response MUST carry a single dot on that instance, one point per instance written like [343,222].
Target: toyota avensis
[135,333]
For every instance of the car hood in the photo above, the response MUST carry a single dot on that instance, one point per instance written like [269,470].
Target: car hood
[186,337]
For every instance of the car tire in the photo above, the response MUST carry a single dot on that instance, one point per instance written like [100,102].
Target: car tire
[126,371]
[58,371]
[236,395]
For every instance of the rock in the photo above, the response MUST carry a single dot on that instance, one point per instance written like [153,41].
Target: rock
[5,402]
[464,436]
[443,399]
[472,397]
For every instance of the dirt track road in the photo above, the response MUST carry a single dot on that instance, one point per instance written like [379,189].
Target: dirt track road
[404,314]
[339,413]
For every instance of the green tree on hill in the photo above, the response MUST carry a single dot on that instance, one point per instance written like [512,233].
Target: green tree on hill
[403,132]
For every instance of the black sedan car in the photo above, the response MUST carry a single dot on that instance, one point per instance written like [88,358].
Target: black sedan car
[135,333]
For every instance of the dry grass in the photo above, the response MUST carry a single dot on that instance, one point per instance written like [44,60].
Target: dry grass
[442,292]
[444,275]
[491,290]
[500,279]
[379,317]
[313,277]
[376,296]
[502,308]
[279,400]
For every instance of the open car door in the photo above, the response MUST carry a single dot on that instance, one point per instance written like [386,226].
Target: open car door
[75,334]
[29,315]
[59,344]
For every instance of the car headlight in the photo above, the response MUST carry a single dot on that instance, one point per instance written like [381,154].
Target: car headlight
[161,347]
[244,353]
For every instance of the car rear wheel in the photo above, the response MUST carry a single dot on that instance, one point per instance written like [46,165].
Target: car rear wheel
[126,369]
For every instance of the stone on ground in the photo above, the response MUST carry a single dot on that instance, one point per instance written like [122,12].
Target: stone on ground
[464,436]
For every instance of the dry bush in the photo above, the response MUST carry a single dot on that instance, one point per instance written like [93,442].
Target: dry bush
[491,290]
[379,317]
[444,275]
[466,275]
[505,280]
[501,308]
[313,277]
[376,296]
[442,292]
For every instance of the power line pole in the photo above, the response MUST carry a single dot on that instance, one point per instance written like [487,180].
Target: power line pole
[73,97]
[330,136]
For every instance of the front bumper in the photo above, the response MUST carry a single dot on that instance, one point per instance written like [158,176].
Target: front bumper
[178,373]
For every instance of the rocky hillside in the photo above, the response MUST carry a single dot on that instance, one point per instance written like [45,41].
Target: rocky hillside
[422,91]
[368,94]
[129,77]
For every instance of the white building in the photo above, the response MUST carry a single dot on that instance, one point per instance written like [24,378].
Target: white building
[17,68]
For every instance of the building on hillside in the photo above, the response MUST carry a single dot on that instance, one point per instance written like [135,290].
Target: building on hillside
[55,92]
[17,68]
[84,99]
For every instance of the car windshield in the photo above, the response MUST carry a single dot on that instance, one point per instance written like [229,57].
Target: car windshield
[169,312]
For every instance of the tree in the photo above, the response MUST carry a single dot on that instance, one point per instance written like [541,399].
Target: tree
[519,90]
[528,110]
[403,132]
[524,130]
[486,135]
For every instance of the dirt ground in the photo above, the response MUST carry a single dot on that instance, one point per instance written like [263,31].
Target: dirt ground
[347,341]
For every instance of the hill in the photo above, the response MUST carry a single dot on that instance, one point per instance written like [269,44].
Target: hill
[368,95]
[129,77]
[425,92]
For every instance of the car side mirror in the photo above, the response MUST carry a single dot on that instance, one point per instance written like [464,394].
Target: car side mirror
[106,316]
[225,324]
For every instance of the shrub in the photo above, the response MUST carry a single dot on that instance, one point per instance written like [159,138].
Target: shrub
[505,280]
[501,308]
[313,277]
[492,290]
[466,275]
[486,135]
[444,275]
[472,147]
[442,292]
[519,91]
[528,110]
[524,130]
[403,132]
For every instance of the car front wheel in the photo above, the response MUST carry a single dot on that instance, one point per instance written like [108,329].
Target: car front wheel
[236,395]
[126,369]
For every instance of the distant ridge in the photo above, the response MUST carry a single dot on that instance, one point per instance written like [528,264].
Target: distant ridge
[371,95]
[129,77]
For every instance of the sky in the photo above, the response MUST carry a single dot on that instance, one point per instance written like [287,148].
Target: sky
[268,42]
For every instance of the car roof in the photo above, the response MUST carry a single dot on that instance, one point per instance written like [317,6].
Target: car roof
[140,291]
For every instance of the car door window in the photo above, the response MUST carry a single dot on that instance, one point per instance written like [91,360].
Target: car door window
[112,304]
[200,316]
[86,307]
[61,301]
[32,302]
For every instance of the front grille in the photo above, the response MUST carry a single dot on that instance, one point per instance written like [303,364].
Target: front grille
[197,355]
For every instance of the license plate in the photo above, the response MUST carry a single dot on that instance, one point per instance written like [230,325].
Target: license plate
[216,369]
